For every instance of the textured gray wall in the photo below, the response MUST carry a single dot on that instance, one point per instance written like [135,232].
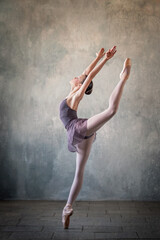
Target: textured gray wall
[43,45]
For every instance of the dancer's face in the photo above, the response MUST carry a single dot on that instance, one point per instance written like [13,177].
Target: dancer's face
[75,81]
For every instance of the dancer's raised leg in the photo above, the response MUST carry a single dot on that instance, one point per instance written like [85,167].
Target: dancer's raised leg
[97,121]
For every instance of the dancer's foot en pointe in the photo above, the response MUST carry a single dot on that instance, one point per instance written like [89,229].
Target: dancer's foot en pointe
[124,75]
[67,212]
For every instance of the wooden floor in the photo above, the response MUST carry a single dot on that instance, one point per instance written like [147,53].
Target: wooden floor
[90,220]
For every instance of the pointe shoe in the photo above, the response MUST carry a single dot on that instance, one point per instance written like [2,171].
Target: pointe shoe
[126,69]
[67,212]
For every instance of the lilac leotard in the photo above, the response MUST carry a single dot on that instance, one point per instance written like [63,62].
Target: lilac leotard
[76,127]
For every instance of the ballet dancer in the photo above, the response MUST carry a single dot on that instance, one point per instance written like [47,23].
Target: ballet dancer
[81,132]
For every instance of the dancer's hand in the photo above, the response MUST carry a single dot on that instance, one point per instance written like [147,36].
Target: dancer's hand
[110,53]
[101,53]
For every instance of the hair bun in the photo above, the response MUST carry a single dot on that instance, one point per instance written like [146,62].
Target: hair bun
[89,89]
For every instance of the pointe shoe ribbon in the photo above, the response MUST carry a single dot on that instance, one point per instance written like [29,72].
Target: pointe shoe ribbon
[67,211]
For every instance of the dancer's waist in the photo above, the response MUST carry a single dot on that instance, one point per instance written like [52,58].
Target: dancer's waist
[67,120]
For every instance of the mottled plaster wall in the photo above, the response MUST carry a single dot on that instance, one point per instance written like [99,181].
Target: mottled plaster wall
[43,45]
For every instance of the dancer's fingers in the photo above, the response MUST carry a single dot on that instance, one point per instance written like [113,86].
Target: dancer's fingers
[100,53]
[113,48]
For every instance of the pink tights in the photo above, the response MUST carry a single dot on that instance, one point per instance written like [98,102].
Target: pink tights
[83,149]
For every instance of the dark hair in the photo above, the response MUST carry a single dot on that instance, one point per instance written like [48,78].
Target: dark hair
[89,88]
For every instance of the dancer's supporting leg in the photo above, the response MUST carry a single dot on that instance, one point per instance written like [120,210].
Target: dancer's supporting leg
[83,149]
[96,122]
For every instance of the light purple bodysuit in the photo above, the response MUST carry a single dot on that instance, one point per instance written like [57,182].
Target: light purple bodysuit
[76,127]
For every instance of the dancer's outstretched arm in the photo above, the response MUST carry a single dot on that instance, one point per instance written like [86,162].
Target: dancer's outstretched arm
[86,72]
[100,54]
[109,54]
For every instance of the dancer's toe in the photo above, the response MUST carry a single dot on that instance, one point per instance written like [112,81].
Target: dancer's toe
[67,212]
[124,75]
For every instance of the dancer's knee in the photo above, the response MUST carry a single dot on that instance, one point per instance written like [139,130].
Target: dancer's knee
[112,110]
[79,174]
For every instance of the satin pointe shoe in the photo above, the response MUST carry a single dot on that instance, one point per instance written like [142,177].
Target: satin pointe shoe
[67,212]
[126,69]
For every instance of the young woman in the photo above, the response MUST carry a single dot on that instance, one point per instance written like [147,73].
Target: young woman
[81,132]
